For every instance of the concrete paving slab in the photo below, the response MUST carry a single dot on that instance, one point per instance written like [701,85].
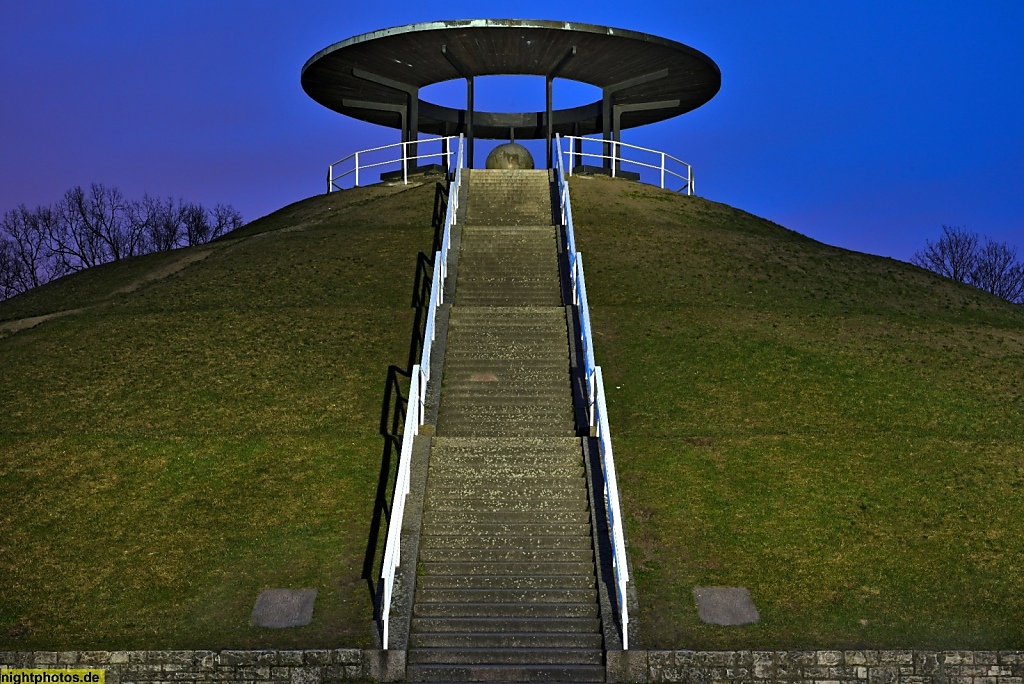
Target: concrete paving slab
[280,608]
[725,605]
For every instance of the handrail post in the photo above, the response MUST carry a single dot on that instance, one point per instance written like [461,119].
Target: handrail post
[357,169]
[663,171]
[405,163]
[422,398]
[614,158]
[330,178]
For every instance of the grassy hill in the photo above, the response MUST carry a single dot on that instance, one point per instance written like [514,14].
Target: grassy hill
[207,425]
[841,433]
[838,432]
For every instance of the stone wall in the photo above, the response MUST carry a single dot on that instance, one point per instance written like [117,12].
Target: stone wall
[252,667]
[833,667]
[691,667]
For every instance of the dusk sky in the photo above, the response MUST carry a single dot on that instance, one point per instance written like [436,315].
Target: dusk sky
[866,125]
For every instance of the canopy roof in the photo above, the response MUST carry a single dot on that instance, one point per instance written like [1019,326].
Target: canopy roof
[645,78]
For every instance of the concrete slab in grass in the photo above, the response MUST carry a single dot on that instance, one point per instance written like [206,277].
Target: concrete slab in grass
[280,608]
[725,605]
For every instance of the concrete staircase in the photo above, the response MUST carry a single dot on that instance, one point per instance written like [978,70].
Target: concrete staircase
[506,583]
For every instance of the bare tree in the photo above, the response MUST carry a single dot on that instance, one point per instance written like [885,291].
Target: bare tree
[225,219]
[960,255]
[9,269]
[196,223]
[159,223]
[75,240]
[997,271]
[26,232]
[88,228]
[953,255]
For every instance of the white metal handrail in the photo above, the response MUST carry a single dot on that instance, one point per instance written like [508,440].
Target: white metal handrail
[660,164]
[336,175]
[393,547]
[416,412]
[596,401]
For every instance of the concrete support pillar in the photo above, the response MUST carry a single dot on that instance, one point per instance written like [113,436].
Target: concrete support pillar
[609,122]
[470,106]
[548,118]
[411,117]
[549,114]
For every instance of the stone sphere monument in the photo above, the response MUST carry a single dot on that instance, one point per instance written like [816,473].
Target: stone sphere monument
[510,156]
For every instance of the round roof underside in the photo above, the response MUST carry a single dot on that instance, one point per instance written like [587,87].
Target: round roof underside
[662,78]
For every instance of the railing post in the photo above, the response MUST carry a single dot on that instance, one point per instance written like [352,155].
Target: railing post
[625,619]
[422,398]
[663,171]
[357,169]
[405,163]
[330,178]
[614,157]
[558,152]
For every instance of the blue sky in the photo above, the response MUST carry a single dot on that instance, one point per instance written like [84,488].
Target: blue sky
[866,125]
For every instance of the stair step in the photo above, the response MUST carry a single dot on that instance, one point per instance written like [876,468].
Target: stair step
[453,595]
[566,445]
[436,503]
[507,625]
[519,466]
[511,464]
[512,529]
[472,430]
[490,474]
[542,388]
[507,656]
[493,517]
[487,474]
[557,489]
[494,640]
[465,568]
[517,582]
[502,410]
[471,541]
[505,610]
[502,555]
[505,673]
[476,426]
[498,295]
[541,358]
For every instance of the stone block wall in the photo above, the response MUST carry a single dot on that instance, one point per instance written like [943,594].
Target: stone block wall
[325,666]
[691,667]
[837,667]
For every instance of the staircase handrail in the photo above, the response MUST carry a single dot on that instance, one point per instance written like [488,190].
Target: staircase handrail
[617,158]
[596,400]
[415,414]
[445,154]
[393,547]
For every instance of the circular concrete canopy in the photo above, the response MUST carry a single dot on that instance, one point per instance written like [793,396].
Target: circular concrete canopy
[646,78]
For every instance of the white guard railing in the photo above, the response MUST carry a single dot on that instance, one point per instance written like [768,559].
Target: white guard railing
[597,405]
[415,412]
[622,153]
[354,167]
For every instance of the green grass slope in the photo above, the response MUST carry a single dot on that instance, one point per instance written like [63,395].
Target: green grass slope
[202,425]
[838,432]
[842,434]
